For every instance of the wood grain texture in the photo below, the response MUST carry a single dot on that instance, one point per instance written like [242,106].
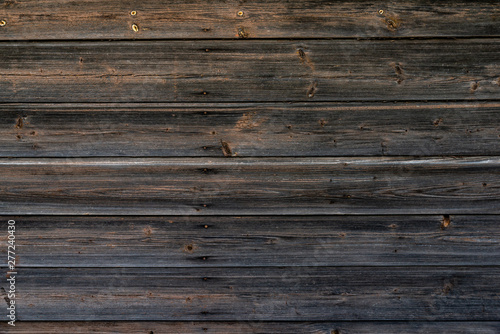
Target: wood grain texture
[255,241]
[251,130]
[244,186]
[259,294]
[62,19]
[172,327]
[250,71]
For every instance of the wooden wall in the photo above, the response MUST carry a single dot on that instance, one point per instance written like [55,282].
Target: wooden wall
[258,167]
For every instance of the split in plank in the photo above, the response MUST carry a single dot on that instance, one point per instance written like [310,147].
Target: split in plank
[250,71]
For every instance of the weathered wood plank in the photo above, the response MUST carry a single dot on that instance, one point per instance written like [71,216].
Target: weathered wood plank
[241,294]
[255,241]
[386,327]
[62,19]
[245,186]
[278,129]
[250,71]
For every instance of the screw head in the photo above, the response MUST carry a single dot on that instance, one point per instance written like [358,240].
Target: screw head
[2,23]
[381,12]
[133,13]
[135,27]
[240,13]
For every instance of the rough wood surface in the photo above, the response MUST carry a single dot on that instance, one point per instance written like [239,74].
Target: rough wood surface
[255,241]
[63,19]
[250,71]
[241,294]
[172,327]
[224,167]
[246,186]
[270,129]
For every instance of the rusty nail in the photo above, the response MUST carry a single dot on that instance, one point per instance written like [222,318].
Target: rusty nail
[133,13]
[240,13]
[2,23]
[135,27]
[381,12]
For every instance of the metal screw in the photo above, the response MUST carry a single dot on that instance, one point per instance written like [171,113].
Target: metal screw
[135,27]
[240,13]
[381,12]
[133,13]
[2,23]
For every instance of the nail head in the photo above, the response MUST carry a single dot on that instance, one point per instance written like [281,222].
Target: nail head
[2,23]
[133,13]
[135,27]
[240,13]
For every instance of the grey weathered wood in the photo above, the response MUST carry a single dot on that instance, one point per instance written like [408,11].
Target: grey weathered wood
[58,19]
[270,129]
[244,186]
[241,294]
[171,327]
[257,84]
[250,71]
[255,241]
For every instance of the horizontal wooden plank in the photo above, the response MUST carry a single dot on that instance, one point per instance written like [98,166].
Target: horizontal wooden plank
[254,241]
[251,71]
[241,294]
[245,186]
[277,129]
[386,327]
[61,19]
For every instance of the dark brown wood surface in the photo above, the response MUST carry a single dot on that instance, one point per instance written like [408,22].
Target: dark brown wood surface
[172,327]
[243,241]
[251,167]
[249,129]
[163,19]
[250,71]
[245,186]
[259,293]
